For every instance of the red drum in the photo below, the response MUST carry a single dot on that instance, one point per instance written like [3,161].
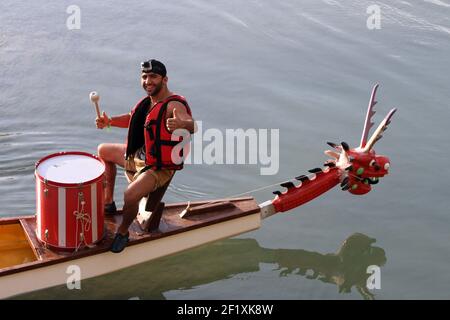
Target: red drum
[69,199]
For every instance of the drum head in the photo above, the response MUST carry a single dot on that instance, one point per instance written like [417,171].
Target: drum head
[70,168]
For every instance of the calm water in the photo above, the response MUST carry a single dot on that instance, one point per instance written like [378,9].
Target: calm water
[306,68]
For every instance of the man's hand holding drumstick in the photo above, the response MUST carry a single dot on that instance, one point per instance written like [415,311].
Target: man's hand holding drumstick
[103,120]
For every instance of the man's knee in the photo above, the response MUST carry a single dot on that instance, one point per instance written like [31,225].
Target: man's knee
[111,152]
[103,150]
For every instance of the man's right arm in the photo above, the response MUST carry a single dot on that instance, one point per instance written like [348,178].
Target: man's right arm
[121,121]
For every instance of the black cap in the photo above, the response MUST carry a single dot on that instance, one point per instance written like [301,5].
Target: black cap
[154,66]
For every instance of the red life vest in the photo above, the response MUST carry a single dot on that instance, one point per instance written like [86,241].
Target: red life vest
[147,127]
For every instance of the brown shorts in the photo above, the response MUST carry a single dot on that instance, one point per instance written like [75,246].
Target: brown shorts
[133,167]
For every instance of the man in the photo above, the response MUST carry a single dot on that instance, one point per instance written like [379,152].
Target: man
[148,161]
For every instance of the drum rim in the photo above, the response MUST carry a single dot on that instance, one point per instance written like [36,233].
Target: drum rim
[65,153]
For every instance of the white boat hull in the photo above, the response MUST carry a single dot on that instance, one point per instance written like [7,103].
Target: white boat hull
[107,262]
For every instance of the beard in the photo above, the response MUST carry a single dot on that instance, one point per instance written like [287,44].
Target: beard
[155,90]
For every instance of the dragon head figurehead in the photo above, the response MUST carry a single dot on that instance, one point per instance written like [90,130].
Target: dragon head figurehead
[362,167]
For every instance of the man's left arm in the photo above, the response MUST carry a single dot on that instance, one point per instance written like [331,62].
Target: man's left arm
[178,118]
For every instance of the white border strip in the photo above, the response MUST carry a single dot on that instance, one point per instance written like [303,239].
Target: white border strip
[94,211]
[61,217]
[39,210]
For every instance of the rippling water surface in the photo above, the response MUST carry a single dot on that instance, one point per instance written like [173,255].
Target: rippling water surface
[306,68]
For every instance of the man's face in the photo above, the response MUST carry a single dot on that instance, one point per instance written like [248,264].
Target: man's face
[152,83]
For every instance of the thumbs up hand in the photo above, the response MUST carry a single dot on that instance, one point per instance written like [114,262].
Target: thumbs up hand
[175,122]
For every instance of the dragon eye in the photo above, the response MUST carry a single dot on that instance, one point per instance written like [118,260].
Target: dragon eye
[386,166]
[372,162]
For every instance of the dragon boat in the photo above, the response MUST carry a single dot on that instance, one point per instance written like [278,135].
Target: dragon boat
[30,261]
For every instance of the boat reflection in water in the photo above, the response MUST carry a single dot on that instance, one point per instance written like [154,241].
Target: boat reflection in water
[346,268]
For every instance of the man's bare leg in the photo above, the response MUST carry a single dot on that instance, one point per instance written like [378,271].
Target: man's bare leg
[112,154]
[142,186]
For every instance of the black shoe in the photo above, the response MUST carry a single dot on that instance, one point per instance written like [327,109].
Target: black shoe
[120,242]
[110,208]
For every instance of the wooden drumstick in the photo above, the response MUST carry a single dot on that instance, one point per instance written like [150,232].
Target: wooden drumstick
[94,99]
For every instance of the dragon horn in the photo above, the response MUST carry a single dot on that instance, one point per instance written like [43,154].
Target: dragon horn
[345,146]
[378,133]
[333,145]
[368,123]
